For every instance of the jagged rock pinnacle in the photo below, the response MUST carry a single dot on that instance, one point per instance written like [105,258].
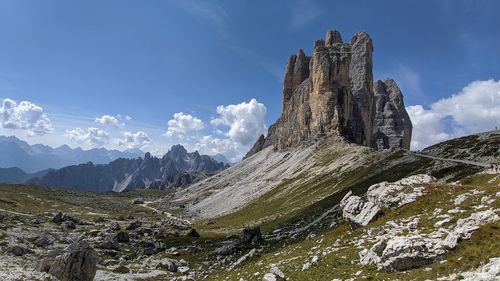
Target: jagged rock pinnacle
[332,93]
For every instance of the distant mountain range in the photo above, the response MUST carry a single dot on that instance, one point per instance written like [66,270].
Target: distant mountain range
[33,158]
[175,169]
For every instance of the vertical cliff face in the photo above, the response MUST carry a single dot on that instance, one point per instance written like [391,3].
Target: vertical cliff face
[391,125]
[332,93]
[361,74]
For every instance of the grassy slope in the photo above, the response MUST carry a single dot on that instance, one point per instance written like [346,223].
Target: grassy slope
[468,255]
[36,200]
[305,196]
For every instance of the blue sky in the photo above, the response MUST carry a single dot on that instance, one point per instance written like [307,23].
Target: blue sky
[81,60]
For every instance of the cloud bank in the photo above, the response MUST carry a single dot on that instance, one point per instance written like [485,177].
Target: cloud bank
[476,108]
[91,137]
[132,140]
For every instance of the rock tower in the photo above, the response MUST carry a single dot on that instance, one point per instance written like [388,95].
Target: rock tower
[332,93]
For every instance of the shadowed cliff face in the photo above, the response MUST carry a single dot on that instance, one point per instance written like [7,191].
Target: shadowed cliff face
[332,93]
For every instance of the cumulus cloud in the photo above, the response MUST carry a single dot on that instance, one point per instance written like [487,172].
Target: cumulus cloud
[212,146]
[25,116]
[93,137]
[108,120]
[131,140]
[114,121]
[245,121]
[476,108]
[182,124]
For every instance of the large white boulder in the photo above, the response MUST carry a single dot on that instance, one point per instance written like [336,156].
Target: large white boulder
[360,211]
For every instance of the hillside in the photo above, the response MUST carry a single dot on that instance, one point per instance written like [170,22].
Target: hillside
[16,175]
[480,148]
[294,197]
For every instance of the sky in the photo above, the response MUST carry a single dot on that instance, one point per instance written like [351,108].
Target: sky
[209,74]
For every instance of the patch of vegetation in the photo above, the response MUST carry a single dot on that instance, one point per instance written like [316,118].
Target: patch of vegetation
[305,196]
[344,263]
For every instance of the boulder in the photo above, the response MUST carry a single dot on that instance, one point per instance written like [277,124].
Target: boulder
[79,263]
[122,237]
[168,264]
[134,225]
[192,233]
[227,249]
[396,194]
[152,248]
[360,211]
[44,240]
[109,244]
[18,250]
[401,253]
[466,226]
[138,200]
[251,235]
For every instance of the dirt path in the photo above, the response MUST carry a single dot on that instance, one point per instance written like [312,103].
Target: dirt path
[484,165]
[16,213]
[146,205]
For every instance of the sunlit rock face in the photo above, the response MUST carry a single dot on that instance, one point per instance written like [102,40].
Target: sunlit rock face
[332,92]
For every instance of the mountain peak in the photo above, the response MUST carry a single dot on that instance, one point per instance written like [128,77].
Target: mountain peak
[332,93]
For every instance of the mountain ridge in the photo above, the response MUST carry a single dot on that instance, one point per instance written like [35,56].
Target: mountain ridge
[175,169]
[38,157]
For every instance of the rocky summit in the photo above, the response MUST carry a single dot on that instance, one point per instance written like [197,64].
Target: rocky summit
[175,169]
[332,92]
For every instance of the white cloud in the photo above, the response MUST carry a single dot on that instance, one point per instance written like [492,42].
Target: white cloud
[131,140]
[245,121]
[117,121]
[212,146]
[108,120]
[92,137]
[476,108]
[25,116]
[303,12]
[182,124]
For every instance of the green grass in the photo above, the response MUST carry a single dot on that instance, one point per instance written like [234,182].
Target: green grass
[35,200]
[304,196]
[468,255]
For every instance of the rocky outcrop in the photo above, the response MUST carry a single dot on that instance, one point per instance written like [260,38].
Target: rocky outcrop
[332,93]
[79,263]
[392,126]
[176,168]
[360,211]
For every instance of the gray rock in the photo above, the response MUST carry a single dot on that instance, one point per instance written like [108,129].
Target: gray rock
[269,277]
[18,250]
[109,244]
[78,264]
[227,249]
[168,264]
[44,240]
[332,93]
[134,225]
[122,237]
[192,233]
[69,225]
[138,200]
[360,211]
[392,126]
[251,235]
